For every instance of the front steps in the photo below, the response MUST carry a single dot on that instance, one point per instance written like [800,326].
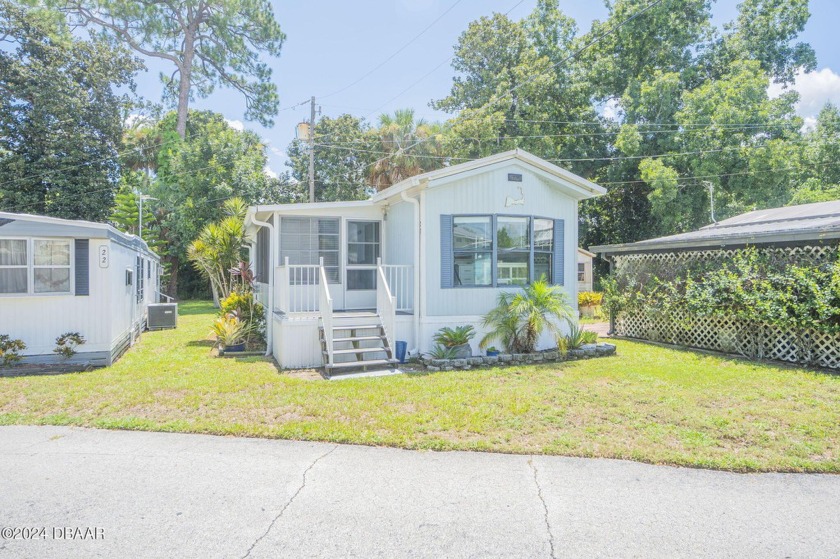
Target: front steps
[359,342]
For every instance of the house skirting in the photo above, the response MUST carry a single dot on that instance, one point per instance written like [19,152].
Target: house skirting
[296,342]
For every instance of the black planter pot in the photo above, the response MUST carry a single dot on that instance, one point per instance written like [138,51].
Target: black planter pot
[235,348]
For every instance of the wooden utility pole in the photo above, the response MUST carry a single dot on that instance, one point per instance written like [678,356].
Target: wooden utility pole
[312,149]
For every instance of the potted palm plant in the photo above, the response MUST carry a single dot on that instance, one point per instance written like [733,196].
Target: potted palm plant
[457,339]
[230,333]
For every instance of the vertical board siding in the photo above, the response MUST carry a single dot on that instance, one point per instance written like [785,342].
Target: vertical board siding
[558,260]
[82,264]
[487,193]
[446,252]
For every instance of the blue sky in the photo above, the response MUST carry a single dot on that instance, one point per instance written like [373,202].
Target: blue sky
[331,43]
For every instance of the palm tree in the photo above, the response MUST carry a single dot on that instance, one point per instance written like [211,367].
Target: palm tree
[411,147]
[218,248]
[521,317]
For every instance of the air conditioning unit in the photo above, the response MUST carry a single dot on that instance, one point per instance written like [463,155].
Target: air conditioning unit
[162,315]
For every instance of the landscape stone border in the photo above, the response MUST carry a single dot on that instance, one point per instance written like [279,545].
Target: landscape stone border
[587,351]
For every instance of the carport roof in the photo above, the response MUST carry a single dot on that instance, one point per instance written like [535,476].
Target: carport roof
[791,224]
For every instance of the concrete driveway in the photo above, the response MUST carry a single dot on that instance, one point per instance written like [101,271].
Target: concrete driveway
[170,495]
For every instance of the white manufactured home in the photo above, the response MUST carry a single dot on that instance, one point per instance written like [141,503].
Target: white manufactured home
[344,281]
[59,276]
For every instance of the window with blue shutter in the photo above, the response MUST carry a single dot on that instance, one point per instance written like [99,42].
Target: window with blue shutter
[500,250]
[82,267]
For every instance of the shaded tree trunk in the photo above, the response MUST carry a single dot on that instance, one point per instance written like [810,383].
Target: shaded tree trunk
[172,286]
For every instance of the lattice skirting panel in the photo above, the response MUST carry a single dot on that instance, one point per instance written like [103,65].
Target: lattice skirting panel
[733,336]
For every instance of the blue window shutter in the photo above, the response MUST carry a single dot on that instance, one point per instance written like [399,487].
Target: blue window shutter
[82,265]
[558,275]
[446,251]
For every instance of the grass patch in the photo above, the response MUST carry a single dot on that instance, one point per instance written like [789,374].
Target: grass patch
[648,403]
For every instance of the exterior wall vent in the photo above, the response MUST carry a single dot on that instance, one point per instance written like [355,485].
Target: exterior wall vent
[515,177]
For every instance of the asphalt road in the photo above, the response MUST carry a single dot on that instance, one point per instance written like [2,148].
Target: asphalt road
[170,495]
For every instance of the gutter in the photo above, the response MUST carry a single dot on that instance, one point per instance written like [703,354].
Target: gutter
[418,231]
[269,311]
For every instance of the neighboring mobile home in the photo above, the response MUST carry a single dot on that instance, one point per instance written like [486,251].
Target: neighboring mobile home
[585,279]
[344,280]
[59,276]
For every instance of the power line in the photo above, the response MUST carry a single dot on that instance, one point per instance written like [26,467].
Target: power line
[393,55]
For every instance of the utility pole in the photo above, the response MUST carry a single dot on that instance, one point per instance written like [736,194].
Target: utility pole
[711,186]
[312,149]
[140,198]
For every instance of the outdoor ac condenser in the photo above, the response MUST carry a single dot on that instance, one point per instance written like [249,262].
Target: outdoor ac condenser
[163,315]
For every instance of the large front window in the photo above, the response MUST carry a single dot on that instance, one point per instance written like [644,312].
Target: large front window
[501,250]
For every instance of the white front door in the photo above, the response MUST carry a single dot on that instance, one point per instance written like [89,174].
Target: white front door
[363,251]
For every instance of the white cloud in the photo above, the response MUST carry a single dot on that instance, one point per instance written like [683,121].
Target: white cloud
[277,151]
[270,173]
[237,125]
[815,89]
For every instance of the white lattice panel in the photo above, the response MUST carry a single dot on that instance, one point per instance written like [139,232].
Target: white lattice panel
[725,334]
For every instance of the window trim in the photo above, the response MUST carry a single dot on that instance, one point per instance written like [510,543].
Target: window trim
[494,250]
[30,267]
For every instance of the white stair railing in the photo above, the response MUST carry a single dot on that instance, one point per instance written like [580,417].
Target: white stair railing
[386,307]
[325,305]
[401,283]
[296,288]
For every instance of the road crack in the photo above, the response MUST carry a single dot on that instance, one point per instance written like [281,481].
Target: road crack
[545,507]
[289,502]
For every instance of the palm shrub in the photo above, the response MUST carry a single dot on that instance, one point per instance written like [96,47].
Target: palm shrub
[521,317]
[453,337]
[218,249]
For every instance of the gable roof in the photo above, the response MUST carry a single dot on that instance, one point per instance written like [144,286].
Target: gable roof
[582,187]
[806,222]
[29,225]
[585,188]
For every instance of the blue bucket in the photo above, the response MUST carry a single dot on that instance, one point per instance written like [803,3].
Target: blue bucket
[401,349]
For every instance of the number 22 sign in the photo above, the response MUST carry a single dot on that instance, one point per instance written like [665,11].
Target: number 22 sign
[104,256]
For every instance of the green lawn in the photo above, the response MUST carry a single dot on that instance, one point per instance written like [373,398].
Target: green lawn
[647,403]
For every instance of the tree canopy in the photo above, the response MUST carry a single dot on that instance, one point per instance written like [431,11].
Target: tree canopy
[61,116]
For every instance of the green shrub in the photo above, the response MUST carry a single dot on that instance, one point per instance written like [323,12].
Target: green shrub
[10,349]
[242,305]
[452,337]
[443,352]
[589,337]
[66,344]
[230,331]
[521,317]
[590,299]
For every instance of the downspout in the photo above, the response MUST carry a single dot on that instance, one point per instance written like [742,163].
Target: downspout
[418,230]
[269,311]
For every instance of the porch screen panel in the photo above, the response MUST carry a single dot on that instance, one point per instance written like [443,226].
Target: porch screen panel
[305,240]
[262,258]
